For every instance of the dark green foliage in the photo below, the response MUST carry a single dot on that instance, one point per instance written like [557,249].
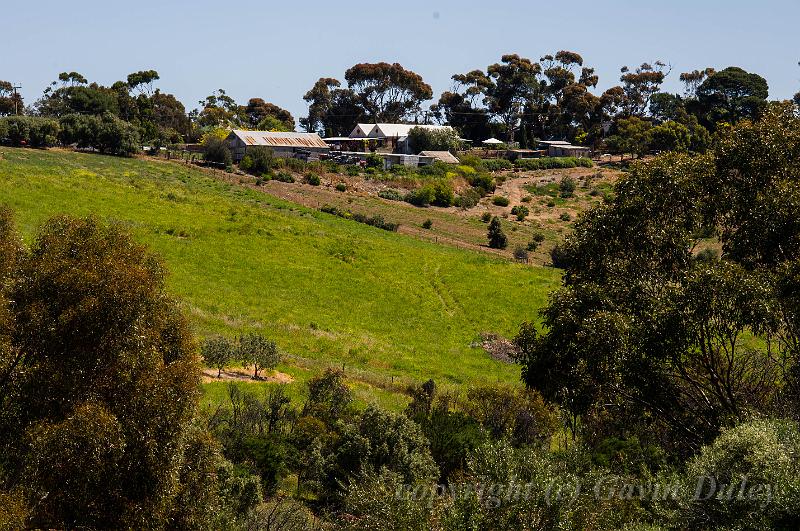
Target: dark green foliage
[216,150]
[392,195]
[341,187]
[218,352]
[486,217]
[258,351]
[566,187]
[427,224]
[500,200]
[105,133]
[438,193]
[29,130]
[266,456]
[329,398]
[731,95]
[627,456]
[547,163]
[558,257]
[497,164]
[259,160]
[521,416]
[483,182]
[383,440]
[374,161]
[284,177]
[520,254]
[312,179]
[102,387]
[467,199]
[497,238]
[640,316]
[434,140]
[565,216]
[374,221]
[521,211]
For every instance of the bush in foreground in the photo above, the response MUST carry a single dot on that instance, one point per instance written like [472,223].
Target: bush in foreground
[99,385]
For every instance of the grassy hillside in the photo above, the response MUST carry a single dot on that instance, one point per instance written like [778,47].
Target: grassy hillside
[329,291]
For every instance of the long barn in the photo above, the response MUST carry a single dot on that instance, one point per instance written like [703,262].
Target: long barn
[285,145]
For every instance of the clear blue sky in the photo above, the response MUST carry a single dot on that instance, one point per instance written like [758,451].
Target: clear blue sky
[276,50]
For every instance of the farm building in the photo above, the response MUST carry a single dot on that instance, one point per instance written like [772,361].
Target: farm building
[562,148]
[285,145]
[390,137]
[361,130]
[441,156]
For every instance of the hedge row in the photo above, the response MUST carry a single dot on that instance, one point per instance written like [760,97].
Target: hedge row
[106,133]
[548,163]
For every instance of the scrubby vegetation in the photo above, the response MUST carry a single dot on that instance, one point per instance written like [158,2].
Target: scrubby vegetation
[548,163]
[374,221]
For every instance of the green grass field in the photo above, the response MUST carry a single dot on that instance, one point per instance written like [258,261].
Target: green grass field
[390,308]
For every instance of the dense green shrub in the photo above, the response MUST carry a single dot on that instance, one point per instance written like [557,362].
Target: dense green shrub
[284,177]
[567,187]
[500,200]
[486,217]
[439,193]
[558,257]
[106,133]
[374,221]
[216,150]
[467,199]
[472,161]
[312,179]
[520,211]
[497,238]
[437,169]
[497,164]
[547,163]
[32,131]
[259,160]
[341,187]
[565,216]
[757,465]
[427,224]
[483,182]
[433,140]
[374,161]
[352,170]
[391,194]
[217,352]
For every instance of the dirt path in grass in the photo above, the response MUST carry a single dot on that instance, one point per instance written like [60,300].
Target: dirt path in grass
[240,375]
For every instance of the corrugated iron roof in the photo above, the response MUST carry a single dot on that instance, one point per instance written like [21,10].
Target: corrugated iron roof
[280,139]
[444,156]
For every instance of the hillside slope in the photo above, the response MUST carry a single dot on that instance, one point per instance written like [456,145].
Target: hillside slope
[390,308]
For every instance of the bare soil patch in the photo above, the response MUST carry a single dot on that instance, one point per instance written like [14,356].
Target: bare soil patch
[241,375]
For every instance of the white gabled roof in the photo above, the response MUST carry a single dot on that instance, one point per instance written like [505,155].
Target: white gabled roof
[362,130]
[279,139]
[400,130]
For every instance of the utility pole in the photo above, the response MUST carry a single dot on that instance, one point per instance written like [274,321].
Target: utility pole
[16,100]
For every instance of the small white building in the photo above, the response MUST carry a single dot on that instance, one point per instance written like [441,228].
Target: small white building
[285,145]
